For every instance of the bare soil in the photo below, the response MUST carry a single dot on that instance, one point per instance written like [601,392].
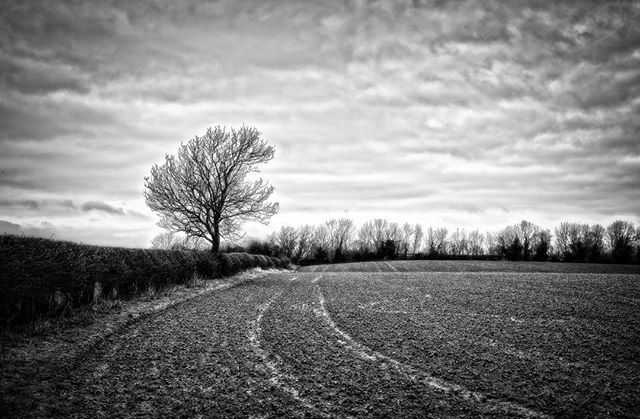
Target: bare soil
[380,343]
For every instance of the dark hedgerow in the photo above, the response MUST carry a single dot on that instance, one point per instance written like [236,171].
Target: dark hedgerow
[44,278]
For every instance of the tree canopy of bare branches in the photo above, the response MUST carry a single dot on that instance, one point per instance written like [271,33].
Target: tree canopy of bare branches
[173,241]
[204,190]
[339,240]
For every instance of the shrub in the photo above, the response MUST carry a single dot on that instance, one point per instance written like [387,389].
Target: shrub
[231,263]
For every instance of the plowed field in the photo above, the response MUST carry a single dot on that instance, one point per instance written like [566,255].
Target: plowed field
[378,339]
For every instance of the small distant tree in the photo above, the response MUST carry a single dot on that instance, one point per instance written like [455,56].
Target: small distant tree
[394,233]
[491,240]
[595,243]
[578,242]
[418,234]
[380,229]
[339,233]
[408,230]
[505,240]
[476,243]
[286,240]
[458,243]
[163,240]
[514,251]
[437,241]
[204,190]
[172,241]
[366,239]
[563,240]
[541,244]
[526,230]
[320,254]
[388,250]
[305,242]
[620,235]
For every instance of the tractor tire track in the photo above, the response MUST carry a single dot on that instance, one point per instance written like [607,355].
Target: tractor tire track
[391,266]
[193,360]
[416,374]
[266,348]
[344,383]
[277,378]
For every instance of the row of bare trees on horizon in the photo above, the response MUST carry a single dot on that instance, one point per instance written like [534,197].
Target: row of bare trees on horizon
[340,240]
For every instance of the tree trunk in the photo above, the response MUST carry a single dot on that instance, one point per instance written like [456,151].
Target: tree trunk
[215,245]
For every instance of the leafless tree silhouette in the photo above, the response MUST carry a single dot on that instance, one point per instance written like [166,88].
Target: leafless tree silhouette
[204,190]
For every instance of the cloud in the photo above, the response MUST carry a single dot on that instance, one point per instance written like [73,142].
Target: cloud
[37,205]
[64,208]
[28,76]
[434,110]
[22,203]
[101,207]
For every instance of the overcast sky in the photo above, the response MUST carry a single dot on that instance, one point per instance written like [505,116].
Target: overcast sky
[470,114]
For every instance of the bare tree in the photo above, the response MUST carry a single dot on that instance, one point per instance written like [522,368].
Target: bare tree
[321,242]
[163,240]
[393,232]
[417,238]
[331,226]
[172,241]
[437,241]
[541,244]
[305,242]
[408,231]
[563,239]
[491,243]
[595,243]
[458,243]
[340,233]
[476,243]
[380,233]
[508,243]
[621,235]
[367,238]
[286,240]
[204,192]
[526,231]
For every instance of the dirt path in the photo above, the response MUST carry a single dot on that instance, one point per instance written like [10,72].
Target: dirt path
[267,348]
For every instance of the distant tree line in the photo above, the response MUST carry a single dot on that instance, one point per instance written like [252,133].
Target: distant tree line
[339,240]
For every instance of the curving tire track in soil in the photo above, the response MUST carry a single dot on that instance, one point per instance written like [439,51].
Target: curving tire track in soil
[277,378]
[266,348]
[413,373]
[345,378]
[393,269]
[193,360]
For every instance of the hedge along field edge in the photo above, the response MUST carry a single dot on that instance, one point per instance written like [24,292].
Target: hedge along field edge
[43,278]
